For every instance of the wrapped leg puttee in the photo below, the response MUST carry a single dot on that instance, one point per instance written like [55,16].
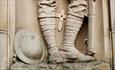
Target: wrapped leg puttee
[74,21]
[47,9]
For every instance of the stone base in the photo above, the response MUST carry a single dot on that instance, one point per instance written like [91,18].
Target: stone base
[65,66]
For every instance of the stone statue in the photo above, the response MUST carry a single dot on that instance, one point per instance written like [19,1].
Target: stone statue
[76,12]
[24,45]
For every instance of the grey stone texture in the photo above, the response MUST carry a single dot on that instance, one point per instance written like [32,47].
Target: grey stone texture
[63,66]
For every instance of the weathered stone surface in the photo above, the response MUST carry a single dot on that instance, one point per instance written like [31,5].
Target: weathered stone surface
[65,66]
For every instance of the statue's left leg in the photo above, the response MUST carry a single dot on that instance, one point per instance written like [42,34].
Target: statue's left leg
[75,16]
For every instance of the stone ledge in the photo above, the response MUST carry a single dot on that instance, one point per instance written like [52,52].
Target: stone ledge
[66,66]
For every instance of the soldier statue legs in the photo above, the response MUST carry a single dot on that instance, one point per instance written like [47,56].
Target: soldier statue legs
[75,15]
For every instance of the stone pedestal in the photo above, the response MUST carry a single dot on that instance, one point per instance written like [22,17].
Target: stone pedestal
[95,65]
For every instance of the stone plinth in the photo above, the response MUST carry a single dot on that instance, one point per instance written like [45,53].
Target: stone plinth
[63,66]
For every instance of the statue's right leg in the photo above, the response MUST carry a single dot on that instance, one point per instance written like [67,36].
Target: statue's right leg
[47,9]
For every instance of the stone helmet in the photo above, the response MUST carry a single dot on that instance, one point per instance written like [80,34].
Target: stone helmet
[29,47]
